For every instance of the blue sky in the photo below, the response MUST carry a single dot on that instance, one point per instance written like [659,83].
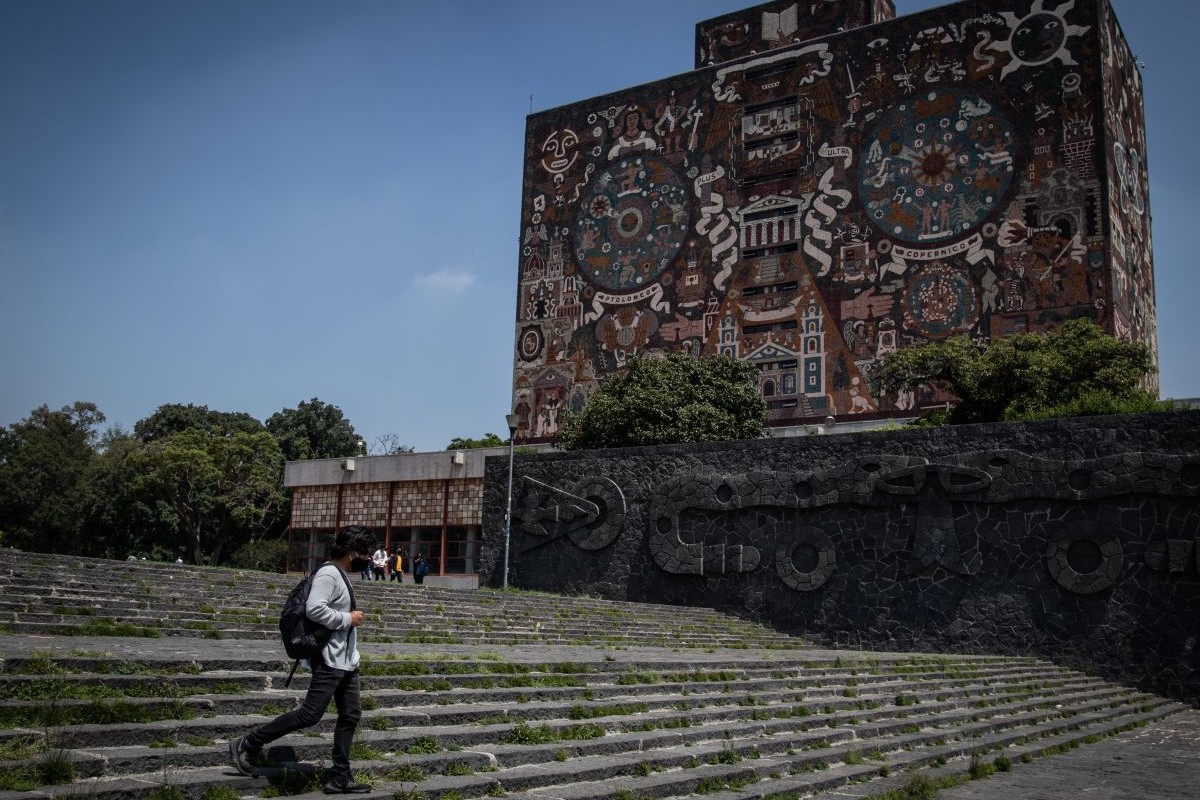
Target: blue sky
[249,204]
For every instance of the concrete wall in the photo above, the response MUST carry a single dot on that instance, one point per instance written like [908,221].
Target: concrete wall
[1077,540]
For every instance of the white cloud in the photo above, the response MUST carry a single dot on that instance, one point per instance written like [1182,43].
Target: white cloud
[447,280]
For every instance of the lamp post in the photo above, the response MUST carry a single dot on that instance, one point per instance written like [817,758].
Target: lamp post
[513,421]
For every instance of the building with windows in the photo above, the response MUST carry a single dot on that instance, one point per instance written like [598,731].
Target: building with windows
[428,503]
[831,183]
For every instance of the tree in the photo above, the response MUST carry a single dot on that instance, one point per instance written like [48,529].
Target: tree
[389,444]
[313,429]
[488,440]
[669,401]
[224,490]
[173,418]
[120,521]
[45,462]
[1074,370]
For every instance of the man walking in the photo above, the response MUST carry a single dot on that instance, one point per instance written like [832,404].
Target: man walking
[334,673]
[379,561]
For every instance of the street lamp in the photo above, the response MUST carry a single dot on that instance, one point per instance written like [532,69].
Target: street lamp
[513,421]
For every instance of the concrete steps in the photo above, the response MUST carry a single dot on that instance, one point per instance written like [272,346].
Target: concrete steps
[760,716]
[77,597]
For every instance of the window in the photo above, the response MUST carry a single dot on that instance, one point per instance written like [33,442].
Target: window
[307,548]
[428,542]
[462,549]
[755,180]
[767,251]
[786,325]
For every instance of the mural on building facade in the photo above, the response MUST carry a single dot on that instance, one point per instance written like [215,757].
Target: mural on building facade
[976,169]
[781,23]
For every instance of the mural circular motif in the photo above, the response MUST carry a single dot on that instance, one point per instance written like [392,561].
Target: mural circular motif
[940,301]
[529,343]
[825,560]
[1085,558]
[631,224]
[935,167]
[1038,38]
[606,526]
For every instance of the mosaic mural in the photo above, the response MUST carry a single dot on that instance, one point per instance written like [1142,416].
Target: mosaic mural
[819,202]
[781,23]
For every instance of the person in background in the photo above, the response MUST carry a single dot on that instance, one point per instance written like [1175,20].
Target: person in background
[397,566]
[420,568]
[334,673]
[379,564]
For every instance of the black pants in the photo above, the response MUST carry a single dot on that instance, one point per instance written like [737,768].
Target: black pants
[326,684]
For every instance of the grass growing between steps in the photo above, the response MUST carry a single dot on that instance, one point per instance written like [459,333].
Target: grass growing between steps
[102,626]
[66,689]
[40,764]
[93,713]
[525,733]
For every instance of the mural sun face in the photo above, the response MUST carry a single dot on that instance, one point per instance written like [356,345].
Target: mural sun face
[559,151]
[1039,37]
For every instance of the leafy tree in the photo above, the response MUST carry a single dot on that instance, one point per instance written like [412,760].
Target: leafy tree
[669,401]
[45,461]
[1074,370]
[119,520]
[173,418]
[224,490]
[314,429]
[265,555]
[488,440]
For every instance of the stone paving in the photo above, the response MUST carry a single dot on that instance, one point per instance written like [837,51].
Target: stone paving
[1158,762]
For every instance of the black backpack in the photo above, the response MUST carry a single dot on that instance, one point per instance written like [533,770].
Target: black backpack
[304,639]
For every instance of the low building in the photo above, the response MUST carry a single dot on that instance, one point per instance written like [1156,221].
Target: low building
[428,503]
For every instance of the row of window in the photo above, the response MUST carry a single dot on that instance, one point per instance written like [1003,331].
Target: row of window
[453,550]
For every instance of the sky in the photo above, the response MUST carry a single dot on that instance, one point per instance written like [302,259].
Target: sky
[246,204]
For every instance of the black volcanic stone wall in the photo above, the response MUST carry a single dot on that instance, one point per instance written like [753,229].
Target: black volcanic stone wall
[1076,540]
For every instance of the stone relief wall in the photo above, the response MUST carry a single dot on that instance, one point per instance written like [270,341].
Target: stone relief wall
[816,203]
[1077,540]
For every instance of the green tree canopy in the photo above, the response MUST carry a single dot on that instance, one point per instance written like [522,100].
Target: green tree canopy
[173,418]
[669,401]
[121,521]
[223,490]
[45,461]
[1076,369]
[314,429]
[489,440]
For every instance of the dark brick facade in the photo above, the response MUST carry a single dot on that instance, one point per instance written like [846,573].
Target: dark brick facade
[811,204]
[1077,539]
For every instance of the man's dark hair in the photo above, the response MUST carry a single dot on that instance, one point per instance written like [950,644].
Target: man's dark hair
[352,537]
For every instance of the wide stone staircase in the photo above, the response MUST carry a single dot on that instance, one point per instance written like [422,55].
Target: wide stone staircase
[126,679]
